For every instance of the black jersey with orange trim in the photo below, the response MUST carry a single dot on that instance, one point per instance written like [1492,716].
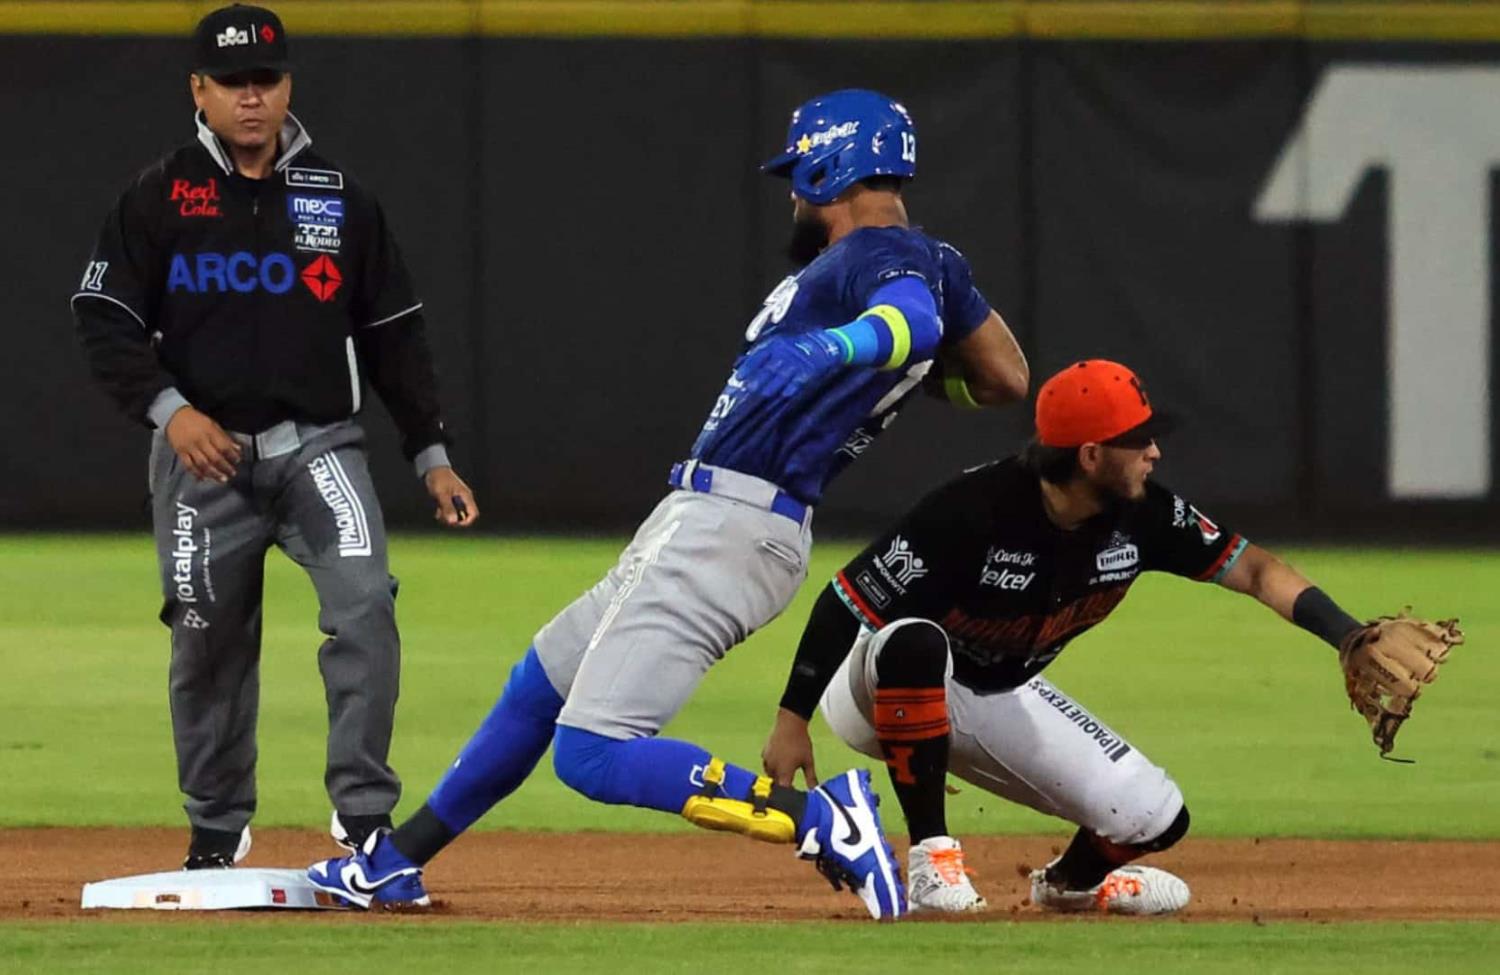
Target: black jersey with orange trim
[979,557]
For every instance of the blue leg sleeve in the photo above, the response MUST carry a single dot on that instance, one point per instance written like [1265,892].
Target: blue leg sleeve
[653,773]
[503,751]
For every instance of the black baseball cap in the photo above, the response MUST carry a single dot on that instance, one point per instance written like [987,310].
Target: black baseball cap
[239,38]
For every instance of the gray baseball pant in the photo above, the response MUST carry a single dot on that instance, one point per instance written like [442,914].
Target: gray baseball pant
[306,490]
[702,573]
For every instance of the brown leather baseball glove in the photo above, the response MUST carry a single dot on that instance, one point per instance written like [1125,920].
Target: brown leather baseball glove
[1387,661]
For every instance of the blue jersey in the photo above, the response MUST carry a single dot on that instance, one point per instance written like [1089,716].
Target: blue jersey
[800,443]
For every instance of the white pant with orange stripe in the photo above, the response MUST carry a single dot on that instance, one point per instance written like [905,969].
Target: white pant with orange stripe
[1032,745]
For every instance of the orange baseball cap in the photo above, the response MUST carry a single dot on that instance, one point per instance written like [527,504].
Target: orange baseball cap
[1096,401]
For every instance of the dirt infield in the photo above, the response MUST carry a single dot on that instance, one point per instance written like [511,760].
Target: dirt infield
[699,877]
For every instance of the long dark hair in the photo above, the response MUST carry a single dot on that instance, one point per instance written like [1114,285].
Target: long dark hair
[1057,465]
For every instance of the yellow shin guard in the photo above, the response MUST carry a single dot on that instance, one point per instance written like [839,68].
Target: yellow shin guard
[751,817]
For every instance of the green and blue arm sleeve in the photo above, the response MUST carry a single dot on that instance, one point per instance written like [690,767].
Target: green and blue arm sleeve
[900,326]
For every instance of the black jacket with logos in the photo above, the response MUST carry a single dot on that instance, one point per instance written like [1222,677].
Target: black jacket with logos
[257,300]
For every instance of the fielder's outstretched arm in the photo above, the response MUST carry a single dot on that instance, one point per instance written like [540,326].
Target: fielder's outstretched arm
[1260,574]
[1386,662]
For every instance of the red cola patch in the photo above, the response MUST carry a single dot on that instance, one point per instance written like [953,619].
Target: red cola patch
[196,201]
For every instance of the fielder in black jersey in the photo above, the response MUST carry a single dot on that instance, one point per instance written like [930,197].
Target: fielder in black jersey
[926,649]
[981,558]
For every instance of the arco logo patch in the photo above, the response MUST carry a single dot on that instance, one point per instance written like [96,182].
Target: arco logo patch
[241,272]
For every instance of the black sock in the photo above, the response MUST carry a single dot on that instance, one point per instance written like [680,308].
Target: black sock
[422,837]
[919,773]
[911,723]
[359,828]
[791,801]
[1082,865]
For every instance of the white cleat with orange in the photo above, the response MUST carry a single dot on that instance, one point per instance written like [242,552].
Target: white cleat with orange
[1127,890]
[937,880]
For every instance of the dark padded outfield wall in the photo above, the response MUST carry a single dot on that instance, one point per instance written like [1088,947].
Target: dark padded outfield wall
[1279,214]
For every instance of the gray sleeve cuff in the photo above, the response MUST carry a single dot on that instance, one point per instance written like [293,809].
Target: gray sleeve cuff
[434,456]
[167,402]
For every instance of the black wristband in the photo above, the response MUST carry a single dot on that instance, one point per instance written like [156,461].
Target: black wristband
[1322,617]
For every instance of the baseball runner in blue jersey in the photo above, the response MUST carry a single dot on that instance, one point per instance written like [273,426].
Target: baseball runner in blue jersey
[835,351]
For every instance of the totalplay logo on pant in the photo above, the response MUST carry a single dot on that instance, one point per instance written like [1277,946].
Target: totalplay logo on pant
[183,550]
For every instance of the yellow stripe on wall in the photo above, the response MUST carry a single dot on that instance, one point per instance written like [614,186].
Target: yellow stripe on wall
[1404,22]
[1161,21]
[794,19]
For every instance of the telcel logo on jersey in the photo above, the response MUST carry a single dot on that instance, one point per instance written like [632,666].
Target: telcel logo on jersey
[196,201]
[240,272]
[1006,579]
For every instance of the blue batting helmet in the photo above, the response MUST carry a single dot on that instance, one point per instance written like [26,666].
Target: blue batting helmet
[842,137]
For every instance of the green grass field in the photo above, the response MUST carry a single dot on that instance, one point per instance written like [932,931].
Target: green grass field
[391,946]
[1247,712]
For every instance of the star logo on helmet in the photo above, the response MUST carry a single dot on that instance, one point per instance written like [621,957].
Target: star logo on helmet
[804,144]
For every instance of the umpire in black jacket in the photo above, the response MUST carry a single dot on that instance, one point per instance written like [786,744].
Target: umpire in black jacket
[243,291]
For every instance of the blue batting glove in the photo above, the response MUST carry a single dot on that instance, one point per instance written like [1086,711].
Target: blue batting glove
[785,364]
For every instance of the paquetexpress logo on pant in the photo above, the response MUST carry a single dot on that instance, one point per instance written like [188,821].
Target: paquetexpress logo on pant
[338,493]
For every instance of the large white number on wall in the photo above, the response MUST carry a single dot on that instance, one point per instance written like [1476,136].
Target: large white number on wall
[1436,132]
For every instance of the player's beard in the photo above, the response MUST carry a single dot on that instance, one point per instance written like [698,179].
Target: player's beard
[809,237]
[1121,491]
[1114,488]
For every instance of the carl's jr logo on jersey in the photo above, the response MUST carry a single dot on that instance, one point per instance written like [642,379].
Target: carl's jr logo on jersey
[997,571]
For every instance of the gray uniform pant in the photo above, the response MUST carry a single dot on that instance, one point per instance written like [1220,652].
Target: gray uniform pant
[306,490]
[702,573]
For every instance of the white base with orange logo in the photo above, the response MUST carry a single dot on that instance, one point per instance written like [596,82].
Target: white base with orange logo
[210,890]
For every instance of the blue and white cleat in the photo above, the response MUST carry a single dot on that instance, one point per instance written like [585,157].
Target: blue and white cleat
[375,876]
[842,835]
